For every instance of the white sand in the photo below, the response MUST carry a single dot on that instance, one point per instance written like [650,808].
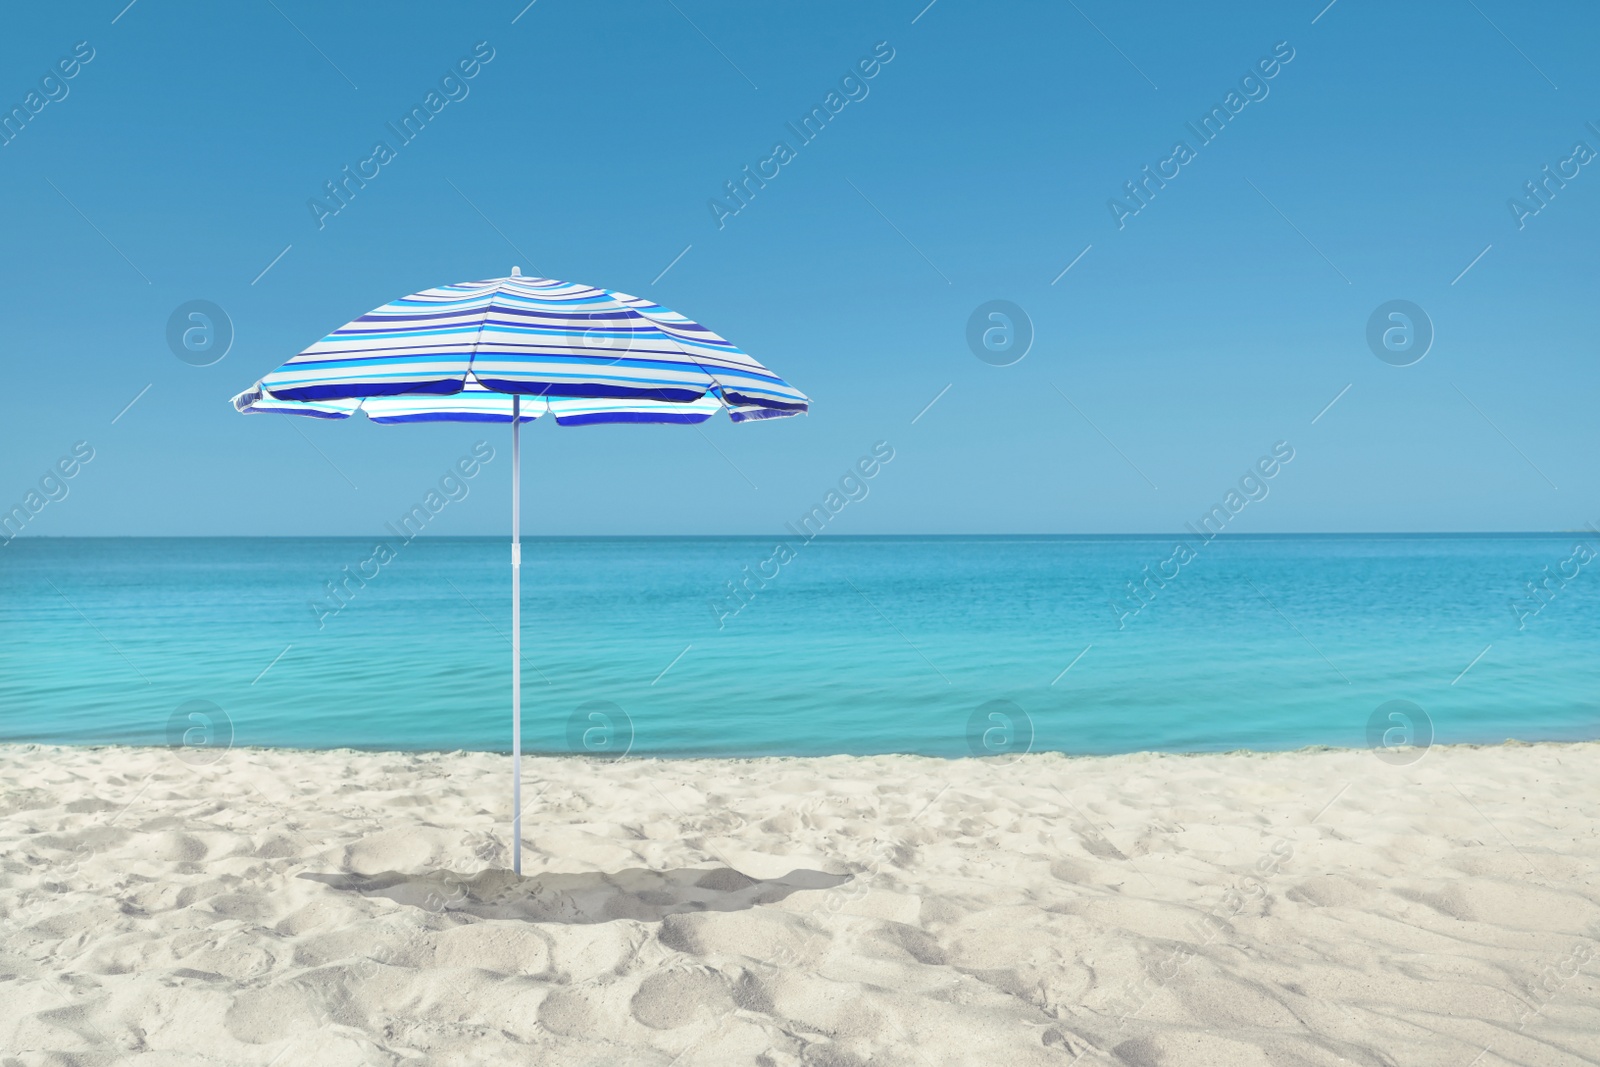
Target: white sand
[346,908]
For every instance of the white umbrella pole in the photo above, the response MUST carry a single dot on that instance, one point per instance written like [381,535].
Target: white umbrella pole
[516,633]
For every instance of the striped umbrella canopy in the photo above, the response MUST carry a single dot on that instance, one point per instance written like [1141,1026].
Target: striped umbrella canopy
[511,350]
[463,353]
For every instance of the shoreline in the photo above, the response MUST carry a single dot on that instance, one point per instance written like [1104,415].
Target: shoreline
[347,907]
[529,754]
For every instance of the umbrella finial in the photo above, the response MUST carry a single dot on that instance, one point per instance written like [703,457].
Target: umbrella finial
[516,272]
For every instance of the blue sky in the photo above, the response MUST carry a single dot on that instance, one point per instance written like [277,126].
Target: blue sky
[1375,165]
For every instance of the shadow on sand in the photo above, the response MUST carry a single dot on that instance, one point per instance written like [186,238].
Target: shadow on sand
[595,897]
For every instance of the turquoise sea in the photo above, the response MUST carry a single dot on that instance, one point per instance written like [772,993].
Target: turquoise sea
[852,645]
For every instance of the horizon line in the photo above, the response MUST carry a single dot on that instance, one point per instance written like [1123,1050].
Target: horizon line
[1237,536]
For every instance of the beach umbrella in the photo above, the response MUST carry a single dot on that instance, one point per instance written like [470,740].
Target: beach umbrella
[512,350]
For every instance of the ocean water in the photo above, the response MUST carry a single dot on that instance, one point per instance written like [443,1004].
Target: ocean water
[943,646]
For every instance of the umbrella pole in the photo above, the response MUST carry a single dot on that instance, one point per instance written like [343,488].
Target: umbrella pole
[516,633]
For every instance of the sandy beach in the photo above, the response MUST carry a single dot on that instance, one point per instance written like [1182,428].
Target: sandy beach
[1315,907]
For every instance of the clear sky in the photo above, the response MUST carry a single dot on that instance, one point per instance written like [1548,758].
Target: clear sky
[1377,162]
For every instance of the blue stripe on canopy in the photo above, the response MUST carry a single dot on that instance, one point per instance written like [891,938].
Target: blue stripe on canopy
[585,355]
[477,404]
